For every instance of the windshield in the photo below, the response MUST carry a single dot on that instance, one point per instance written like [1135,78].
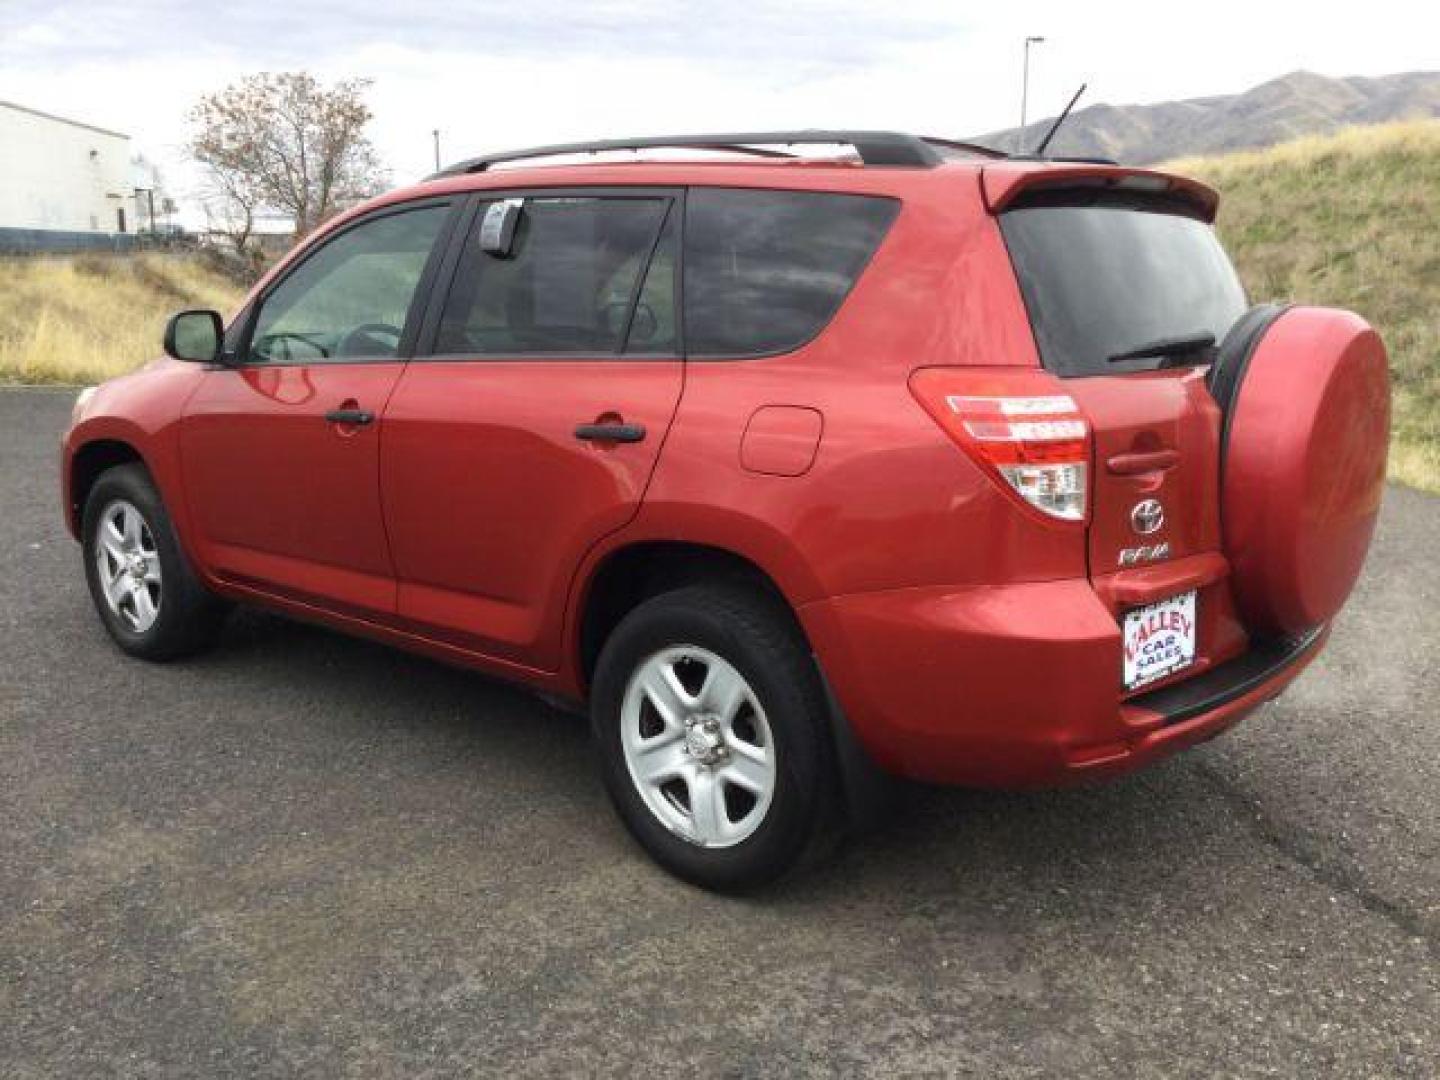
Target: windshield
[1109,278]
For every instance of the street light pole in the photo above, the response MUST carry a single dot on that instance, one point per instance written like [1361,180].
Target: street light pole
[150,195]
[436,135]
[1025,86]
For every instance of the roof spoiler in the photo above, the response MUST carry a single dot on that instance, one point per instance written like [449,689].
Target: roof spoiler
[1003,182]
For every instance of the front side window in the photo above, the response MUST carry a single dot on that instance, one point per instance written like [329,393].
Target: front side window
[568,283]
[766,270]
[350,299]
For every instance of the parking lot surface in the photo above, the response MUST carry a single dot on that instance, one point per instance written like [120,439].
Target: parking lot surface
[308,855]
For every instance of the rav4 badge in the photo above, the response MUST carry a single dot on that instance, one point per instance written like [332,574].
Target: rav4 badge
[1144,553]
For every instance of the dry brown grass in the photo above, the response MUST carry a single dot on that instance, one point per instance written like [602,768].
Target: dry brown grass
[84,318]
[1351,220]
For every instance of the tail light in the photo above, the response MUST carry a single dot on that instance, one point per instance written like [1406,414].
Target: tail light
[1020,426]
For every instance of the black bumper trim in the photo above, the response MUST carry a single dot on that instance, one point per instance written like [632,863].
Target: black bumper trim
[1230,680]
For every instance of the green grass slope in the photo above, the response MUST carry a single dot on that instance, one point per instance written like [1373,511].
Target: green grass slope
[1350,220]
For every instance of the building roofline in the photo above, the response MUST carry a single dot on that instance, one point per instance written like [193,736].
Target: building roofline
[63,120]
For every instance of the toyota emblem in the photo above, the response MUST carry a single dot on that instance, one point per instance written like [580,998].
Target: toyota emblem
[1147,517]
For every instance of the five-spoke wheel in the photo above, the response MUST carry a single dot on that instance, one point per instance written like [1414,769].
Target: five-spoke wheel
[149,599]
[698,746]
[714,734]
[129,565]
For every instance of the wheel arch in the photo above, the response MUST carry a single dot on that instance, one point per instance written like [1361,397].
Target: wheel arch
[633,573]
[637,571]
[87,463]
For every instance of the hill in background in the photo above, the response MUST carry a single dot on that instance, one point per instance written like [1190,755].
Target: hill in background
[1301,103]
[1350,220]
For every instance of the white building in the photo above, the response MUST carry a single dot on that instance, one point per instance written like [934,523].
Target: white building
[61,176]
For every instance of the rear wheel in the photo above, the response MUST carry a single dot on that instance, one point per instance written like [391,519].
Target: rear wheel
[712,729]
[148,598]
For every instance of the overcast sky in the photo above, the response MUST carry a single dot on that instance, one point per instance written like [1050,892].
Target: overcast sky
[493,75]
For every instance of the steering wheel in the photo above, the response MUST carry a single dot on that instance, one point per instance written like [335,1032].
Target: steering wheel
[355,342]
[282,338]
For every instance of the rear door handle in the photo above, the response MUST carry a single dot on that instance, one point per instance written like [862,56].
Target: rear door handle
[610,432]
[1143,461]
[350,416]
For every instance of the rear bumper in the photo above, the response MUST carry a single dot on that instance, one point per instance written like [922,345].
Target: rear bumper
[1019,686]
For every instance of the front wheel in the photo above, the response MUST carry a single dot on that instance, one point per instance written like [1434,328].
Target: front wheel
[147,596]
[712,729]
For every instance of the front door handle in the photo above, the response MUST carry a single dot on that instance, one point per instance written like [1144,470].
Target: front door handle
[350,416]
[610,432]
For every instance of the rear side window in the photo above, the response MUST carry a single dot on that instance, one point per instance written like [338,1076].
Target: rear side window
[653,327]
[568,285]
[1104,278]
[766,270]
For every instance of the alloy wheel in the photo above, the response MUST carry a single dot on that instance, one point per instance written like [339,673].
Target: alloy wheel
[698,746]
[129,566]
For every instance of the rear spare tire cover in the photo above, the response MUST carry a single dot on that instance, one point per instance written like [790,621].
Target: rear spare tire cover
[1303,466]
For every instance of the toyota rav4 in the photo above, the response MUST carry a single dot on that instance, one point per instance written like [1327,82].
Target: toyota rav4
[798,468]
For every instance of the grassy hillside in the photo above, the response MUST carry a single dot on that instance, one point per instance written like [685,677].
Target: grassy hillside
[1351,220]
[83,318]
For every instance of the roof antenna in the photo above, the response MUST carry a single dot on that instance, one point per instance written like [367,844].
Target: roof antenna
[1040,150]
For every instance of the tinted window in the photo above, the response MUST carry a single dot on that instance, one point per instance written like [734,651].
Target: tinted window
[1104,279]
[567,285]
[654,329]
[350,298]
[766,270]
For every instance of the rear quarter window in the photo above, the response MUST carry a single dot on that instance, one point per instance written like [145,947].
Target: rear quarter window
[765,271]
[1106,276]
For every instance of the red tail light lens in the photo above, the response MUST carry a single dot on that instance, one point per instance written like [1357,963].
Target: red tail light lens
[1019,425]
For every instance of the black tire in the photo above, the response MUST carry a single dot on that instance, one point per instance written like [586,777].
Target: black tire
[1232,358]
[187,617]
[758,637]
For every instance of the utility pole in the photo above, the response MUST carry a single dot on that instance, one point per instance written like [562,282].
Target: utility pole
[150,196]
[436,135]
[1025,86]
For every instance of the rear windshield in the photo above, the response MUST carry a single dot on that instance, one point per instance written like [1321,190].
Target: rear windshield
[766,270]
[1110,277]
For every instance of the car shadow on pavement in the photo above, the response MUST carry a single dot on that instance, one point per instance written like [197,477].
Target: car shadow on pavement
[1131,841]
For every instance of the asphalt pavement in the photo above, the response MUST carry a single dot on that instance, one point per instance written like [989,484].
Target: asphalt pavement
[309,855]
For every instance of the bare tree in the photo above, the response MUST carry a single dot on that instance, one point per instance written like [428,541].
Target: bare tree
[230,200]
[285,142]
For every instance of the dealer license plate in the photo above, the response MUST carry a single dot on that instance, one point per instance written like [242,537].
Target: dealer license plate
[1159,639]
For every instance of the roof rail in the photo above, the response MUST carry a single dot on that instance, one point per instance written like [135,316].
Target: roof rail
[873,147]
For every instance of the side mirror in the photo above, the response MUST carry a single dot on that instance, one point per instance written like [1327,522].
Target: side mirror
[194,335]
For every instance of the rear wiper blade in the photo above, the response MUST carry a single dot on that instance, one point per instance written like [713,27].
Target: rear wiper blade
[1183,345]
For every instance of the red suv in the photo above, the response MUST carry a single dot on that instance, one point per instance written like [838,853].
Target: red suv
[914,459]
